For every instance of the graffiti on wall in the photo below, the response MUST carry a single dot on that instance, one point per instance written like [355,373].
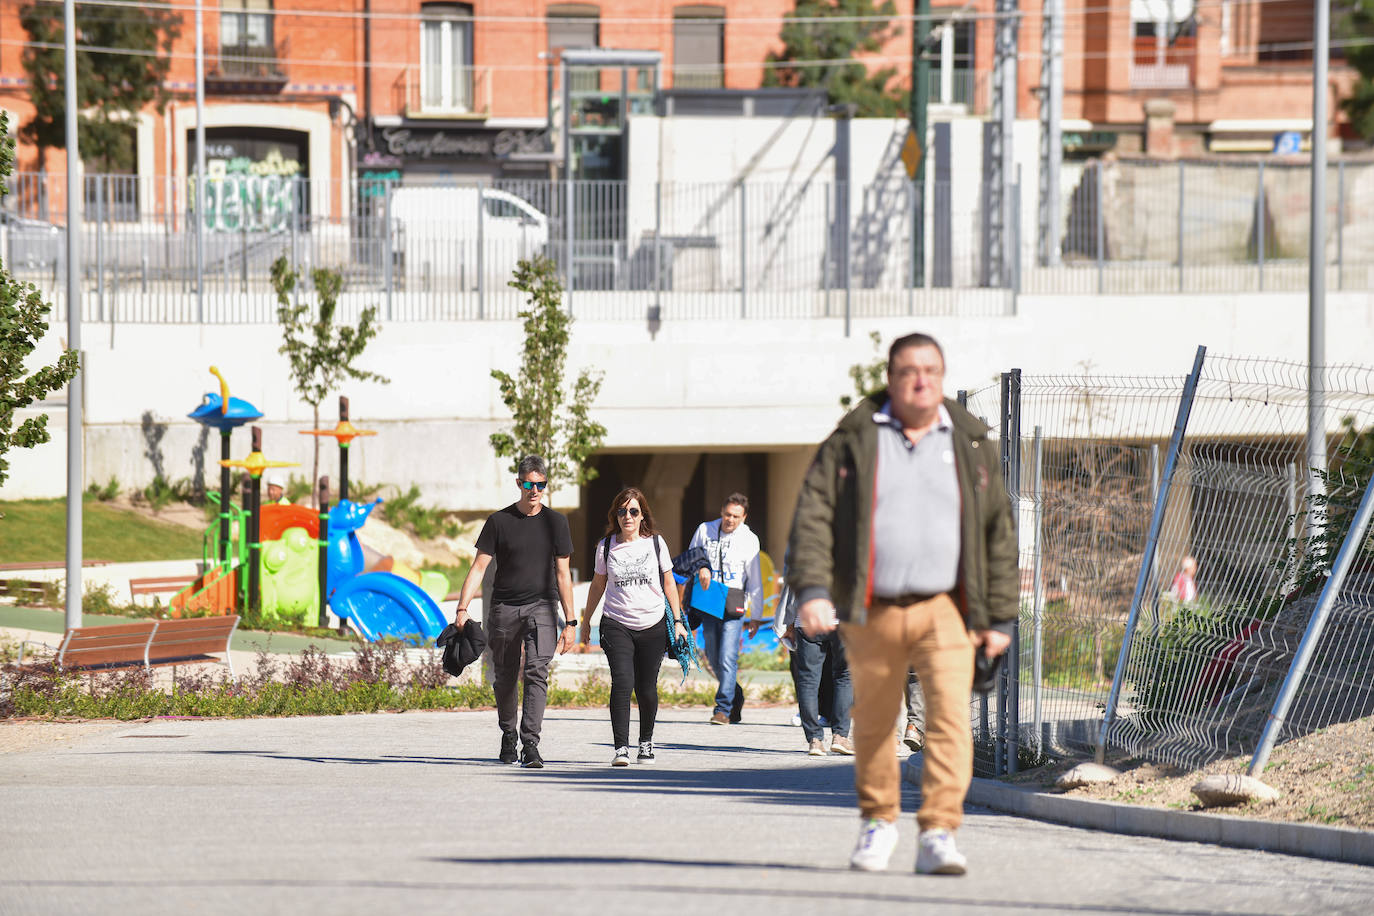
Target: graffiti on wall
[247,195]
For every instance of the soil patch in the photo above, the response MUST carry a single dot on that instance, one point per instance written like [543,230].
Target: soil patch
[30,734]
[1325,778]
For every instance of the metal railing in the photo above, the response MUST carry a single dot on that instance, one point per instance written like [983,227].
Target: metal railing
[468,92]
[1118,650]
[447,252]
[628,250]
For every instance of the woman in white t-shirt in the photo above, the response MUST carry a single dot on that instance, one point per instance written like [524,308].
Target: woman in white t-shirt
[634,571]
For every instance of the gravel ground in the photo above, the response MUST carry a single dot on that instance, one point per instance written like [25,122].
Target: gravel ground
[1326,778]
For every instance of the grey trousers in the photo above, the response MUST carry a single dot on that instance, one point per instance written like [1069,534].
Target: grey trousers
[915,703]
[513,630]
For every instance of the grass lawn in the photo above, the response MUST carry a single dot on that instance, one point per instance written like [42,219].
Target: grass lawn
[35,530]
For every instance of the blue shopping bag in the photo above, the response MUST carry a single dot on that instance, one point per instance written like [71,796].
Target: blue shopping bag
[710,600]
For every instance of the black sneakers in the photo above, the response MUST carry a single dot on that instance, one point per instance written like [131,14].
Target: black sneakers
[530,758]
[508,748]
[646,752]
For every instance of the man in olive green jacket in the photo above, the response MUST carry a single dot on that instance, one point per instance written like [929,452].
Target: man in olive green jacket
[903,537]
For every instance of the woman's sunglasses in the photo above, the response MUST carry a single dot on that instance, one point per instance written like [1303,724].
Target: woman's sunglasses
[533,485]
[631,512]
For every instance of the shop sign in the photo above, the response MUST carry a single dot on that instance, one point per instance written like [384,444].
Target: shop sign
[419,144]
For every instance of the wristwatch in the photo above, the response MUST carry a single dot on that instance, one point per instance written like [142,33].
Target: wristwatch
[569,623]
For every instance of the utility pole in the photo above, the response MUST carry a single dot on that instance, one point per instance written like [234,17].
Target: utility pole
[1316,266]
[75,430]
[999,164]
[920,94]
[1051,116]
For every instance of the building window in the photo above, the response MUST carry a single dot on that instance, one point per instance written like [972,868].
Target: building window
[1164,44]
[952,77]
[245,36]
[446,57]
[699,47]
[576,25]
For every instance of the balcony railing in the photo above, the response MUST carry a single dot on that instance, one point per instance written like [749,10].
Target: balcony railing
[250,63]
[961,89]
[467,95]
[698,79]
[1161,76]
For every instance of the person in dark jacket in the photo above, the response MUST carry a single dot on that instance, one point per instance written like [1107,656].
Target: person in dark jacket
[903,538]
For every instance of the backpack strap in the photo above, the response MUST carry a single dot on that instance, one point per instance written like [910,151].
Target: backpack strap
[606,554]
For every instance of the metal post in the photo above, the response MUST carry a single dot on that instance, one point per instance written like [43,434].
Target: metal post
[390,251]
[323,562]
[75,426]
[1181,198]
[200,162]
[481,254]
[1185,408]
[343,451]
[225,486]
[1101,229]
[1038,598]
[1011,469]
[254,530]
[845,252]
[826,253]
[1351,548]
[568,195]
[920,100]
[743,254]
[658,248]
[917,248]
[1260,223]
[1316,256]
[1340,225]
[99,247]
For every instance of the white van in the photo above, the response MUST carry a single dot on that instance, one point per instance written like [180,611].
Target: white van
[436,231]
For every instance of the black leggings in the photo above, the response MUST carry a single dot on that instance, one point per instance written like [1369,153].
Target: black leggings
[635,657]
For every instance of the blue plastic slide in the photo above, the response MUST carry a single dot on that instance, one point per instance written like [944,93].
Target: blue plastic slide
[383,604]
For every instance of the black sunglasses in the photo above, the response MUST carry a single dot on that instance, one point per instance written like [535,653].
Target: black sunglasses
[622,512]
[533,485]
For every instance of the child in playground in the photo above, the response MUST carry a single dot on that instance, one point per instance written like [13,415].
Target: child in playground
[634,571]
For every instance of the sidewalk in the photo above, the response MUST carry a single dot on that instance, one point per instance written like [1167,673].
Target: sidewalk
[401,814]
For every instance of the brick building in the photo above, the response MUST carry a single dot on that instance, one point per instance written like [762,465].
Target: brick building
[424,91]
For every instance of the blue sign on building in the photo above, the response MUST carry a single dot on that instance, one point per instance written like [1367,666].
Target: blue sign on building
[1288,143]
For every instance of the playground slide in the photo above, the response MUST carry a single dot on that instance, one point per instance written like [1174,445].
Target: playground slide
[383,604]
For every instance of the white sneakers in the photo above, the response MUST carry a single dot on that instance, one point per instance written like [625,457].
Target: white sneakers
[937,854]
[877,839]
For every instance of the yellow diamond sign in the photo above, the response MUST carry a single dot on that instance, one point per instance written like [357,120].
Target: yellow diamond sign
[911,154]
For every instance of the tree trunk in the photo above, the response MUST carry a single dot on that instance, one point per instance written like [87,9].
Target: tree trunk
[315,467]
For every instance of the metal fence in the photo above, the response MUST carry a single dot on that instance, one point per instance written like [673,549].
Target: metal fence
[1218,225]
[669,251]
[1116,481]
[660,251]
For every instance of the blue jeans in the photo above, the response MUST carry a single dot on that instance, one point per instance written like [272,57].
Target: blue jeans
[810,657]
[722,650]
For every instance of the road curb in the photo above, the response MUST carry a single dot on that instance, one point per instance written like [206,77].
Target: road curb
[1336,844]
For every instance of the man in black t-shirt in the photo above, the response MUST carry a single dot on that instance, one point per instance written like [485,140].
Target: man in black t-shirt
[532,546]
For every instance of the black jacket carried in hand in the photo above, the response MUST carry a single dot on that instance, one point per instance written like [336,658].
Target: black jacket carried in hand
[461,647]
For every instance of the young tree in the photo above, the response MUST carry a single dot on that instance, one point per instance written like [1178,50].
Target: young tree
[845,79]
[1354,19]
[547,421]
[867,377]
[321,353]
[111,85]
[21,325]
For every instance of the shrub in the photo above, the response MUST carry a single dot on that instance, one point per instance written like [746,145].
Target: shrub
[404,511]
[106,493]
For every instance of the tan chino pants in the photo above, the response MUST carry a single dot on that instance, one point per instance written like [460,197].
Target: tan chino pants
[929,637]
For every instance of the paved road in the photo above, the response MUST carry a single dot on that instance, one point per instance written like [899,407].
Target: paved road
[410,813]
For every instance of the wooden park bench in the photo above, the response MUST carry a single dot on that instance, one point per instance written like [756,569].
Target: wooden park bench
[150,643]
[158,585]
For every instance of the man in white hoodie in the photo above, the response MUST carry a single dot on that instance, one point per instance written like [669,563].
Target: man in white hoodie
[733,551]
